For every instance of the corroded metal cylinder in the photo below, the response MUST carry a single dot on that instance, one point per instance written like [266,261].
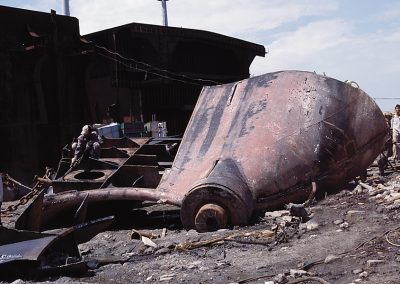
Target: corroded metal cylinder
[210,217]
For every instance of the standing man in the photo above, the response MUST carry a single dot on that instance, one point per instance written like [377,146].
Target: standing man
[395,123]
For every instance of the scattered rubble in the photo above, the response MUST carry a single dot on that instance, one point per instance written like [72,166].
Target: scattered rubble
[273,249]
[219,232]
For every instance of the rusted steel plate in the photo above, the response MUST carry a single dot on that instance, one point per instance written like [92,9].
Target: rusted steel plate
[25,250]
[259,143]
[26,254]
[30,219]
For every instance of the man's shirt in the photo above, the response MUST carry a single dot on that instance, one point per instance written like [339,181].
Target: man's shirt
[396,124]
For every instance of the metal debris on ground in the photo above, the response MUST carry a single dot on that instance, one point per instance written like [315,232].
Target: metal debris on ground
[26,254]
[254,237]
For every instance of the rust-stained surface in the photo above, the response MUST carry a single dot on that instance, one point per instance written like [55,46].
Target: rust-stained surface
[252,145]
[261,142]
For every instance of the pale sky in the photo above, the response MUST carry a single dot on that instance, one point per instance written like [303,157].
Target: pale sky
[357,40]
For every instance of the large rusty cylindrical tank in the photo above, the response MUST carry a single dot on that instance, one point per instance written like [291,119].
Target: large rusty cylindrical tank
[261,142]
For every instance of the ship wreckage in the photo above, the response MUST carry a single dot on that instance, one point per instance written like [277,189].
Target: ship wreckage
[250,146]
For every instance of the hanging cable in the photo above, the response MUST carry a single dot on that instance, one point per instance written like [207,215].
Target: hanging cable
[156,68]
[147,71]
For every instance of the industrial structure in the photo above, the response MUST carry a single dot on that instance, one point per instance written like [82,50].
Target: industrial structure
[248,144]
[53,80]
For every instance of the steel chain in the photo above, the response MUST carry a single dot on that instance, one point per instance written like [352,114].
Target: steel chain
[26,198]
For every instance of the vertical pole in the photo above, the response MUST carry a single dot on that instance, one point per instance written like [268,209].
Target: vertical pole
[165,18]
[66,8]
[164,11]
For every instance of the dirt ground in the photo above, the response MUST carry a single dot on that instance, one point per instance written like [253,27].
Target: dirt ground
[353,236]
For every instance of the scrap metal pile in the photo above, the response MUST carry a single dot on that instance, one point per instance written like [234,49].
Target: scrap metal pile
[250,146]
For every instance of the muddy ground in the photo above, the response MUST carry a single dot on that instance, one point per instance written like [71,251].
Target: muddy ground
[353,236]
